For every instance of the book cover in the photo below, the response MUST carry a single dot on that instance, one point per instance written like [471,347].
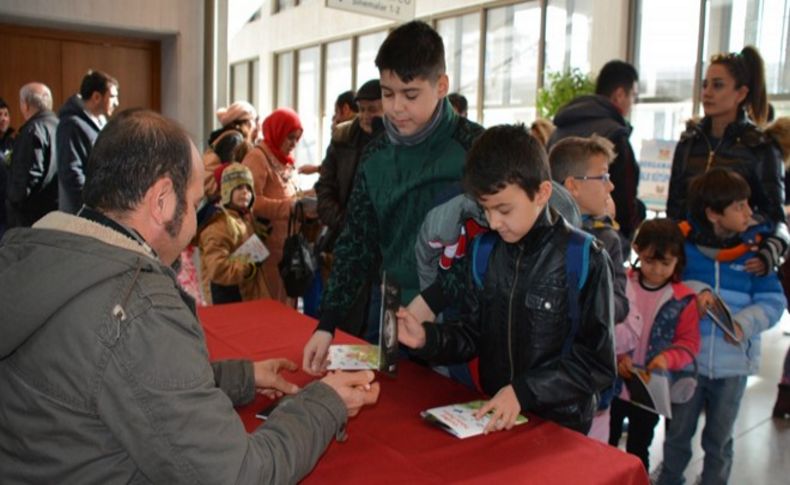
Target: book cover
[720,314]
[650,391]
[382,357]
[252,249]
[459,419]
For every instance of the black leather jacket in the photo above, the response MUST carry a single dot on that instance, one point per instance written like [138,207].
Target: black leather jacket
[517,324]
[747,150]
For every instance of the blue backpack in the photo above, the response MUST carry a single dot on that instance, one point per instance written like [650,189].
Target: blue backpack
[577,266]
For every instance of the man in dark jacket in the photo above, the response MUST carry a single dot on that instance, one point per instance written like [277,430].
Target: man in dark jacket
[112,366]
[7,135]
[81,118]
[337,177]
[516,318]
[604,114]
[32,181]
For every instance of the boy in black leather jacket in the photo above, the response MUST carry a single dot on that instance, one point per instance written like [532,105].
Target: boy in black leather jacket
[517,322]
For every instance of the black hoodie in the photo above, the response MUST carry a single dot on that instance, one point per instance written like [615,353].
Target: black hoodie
[75,137]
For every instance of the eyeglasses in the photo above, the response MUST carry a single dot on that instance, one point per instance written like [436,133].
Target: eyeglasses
[603,177]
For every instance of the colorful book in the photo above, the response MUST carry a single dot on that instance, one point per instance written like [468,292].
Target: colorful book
[252,250]
[721,315]
[650,391]
[382,357]
[459,419]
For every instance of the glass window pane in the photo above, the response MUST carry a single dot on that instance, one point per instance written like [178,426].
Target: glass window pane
[461,36]
[511,63]
[568,35]
[308,85]
[240,79]
[666,48]
[765,24]
[367,48]
[338,72]
[285,95]
[255,98]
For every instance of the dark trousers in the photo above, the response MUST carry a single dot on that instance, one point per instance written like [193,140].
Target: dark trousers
[641,424]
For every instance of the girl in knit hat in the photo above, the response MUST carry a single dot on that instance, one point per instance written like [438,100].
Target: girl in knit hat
[272,169]
[232,277]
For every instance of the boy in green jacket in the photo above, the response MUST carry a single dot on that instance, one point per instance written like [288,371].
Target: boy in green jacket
[404,172]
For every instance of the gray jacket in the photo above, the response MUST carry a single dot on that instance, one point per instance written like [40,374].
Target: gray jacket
[106,379]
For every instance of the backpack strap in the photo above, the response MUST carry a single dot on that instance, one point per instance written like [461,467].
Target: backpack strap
[577,267]
[481,252]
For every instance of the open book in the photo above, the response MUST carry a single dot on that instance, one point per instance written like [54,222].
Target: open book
[459,419]
[650,391]
[252,249]
[382,357]
[721,315]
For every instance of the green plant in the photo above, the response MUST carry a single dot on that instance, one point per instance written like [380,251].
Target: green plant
[561,87]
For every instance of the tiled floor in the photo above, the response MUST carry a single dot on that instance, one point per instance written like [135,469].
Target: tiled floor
[762,444]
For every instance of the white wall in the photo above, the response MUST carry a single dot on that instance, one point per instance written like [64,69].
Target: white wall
[313,23]
[177,23]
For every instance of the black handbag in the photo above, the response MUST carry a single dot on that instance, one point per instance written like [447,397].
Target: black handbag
[298,264]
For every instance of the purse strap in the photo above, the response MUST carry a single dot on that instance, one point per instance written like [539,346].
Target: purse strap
[296,218]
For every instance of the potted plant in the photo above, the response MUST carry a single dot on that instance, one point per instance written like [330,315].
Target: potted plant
[560,88]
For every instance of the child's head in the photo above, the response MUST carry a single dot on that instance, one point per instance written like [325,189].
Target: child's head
[508,173]
[237,187]
[581,165]
[719,201]
[413,79]
[659,246]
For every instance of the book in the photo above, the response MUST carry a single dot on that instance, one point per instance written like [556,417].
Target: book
[650,391]
[252,249]
[721,315]
[459,419]
[382,357]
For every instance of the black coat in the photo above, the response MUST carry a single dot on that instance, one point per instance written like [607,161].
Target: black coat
[517,324]
[76,135]
[593,114]
[32,181]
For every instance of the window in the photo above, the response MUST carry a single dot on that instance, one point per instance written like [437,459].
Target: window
[367,48]
[244,81]
[568,35]
[337,79]
[285,80]
[461,36]
[308,89]
[511,63]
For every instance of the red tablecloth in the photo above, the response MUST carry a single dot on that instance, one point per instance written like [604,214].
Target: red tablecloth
[390,443]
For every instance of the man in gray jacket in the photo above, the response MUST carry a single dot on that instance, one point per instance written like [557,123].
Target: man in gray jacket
[104,366]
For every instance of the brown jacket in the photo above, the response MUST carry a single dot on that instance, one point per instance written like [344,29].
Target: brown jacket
[223,234]
[275,192]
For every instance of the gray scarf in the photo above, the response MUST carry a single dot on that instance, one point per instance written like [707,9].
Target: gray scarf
[410,140]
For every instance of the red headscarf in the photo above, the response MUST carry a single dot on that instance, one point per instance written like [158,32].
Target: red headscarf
[276,128]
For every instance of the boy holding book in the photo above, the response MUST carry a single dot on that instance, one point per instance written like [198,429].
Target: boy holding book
[721,236]
[517,321]
[402,174]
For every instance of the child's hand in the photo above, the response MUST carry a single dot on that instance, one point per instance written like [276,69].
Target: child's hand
[738,332]
[504,407]
[624,366]
[410,331]
[756,266]
[705,300]
[658,362]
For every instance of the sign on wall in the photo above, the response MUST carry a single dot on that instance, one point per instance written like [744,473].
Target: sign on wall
[389,9]
[655,169]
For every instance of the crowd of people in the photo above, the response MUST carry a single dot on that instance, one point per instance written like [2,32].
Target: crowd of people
[532,229]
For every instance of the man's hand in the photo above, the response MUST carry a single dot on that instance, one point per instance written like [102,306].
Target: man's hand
[420,309]
[309,169]
[268,380]
[356,389]
[624,366]
[705,300]
[410,331]
[755,266]
[738,333]
[658,362]
[504,409]
[314,360]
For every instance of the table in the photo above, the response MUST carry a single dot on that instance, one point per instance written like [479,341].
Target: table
[390,443]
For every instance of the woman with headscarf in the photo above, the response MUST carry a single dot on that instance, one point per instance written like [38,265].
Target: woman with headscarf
[272,169]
